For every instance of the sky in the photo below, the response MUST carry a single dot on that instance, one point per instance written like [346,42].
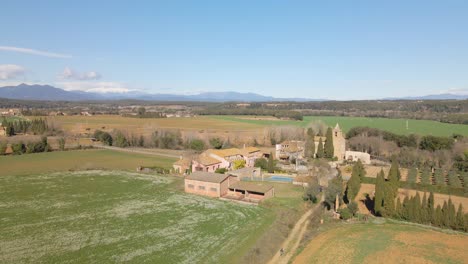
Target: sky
[311,49]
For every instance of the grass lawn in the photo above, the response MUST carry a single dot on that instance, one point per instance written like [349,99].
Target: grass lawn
[114,216]
[398,126]
[78,160]
[385,242]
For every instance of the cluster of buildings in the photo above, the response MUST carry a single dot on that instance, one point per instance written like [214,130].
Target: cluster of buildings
[295,149]
[202,178]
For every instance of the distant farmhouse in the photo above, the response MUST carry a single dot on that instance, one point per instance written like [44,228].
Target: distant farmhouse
[213,159]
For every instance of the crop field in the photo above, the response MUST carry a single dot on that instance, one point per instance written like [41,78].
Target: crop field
[386,242]
[144,126]
[398,126]
[113,216]
[78,160]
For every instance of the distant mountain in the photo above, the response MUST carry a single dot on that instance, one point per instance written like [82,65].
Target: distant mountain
[41,92]
[445,96]
[47,92]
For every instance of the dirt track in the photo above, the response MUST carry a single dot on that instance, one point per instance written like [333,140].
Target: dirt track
[291,243]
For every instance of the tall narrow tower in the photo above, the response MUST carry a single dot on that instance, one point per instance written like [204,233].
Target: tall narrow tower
[339,142]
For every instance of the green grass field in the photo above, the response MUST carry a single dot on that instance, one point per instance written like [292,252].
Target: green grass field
[398,126]
[114,216]
[78,160]
[384,243]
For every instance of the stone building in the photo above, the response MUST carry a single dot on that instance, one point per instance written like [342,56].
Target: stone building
[208,184]
[357,155]
[339,143]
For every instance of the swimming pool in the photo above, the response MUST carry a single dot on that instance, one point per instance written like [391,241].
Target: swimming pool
[280,178]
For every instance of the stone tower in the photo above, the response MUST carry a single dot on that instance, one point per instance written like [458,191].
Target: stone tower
[339,143]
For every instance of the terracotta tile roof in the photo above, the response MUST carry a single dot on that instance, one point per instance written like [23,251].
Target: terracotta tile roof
[183,162]
[251,149]
[206,160]
[251,187]
[207,177]
[225,152]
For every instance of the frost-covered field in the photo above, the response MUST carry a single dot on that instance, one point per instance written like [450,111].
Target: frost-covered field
[106,217]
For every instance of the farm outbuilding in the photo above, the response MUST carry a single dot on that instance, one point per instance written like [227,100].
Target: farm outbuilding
[208,184]
[252,192]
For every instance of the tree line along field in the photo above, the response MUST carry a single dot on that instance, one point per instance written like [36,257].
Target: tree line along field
[78,160]
[114,216]
[384,241]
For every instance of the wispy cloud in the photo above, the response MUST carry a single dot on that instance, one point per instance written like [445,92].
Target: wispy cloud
[35,52]
[457,91]
[95,87]
[10,71]
[73,75]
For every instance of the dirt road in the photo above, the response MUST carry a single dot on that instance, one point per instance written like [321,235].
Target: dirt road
[292,242]
[139,151]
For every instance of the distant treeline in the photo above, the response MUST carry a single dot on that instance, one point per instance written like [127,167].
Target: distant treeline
[36,126]
[294,115]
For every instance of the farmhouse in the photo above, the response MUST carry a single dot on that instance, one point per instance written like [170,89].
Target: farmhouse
[291,149]
[213,159]
[208,184]
[357,155]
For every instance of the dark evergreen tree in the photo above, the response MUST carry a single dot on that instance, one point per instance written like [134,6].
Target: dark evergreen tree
[453,179]
[438,221]
[445,215]
[412,175]
[379,193]
[354,183]
[328,147]
[439,177]
[423,211]
[394,171]
[452,213]
[389,200]
[399,209]
[426,176]
[310,144]
[320,153]
[430,208]
[406,208]
[417,209]
[459,221]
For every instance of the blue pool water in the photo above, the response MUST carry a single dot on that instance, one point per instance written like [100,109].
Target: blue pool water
[281,178]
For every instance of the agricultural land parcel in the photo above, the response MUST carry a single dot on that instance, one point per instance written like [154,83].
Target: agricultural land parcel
[145,126]
[115,216]
[387,242]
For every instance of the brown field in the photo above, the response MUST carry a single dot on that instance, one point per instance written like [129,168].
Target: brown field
[438,198]
[372,171]
[384,243]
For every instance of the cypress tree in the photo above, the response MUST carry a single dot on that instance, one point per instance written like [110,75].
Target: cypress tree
[424,213]
[439,177]
[379,193]
[310,143]
[430,208]
[406,208]
[453,179]
[394,171]
[452,213]
[459,222]
[320,149]
[438,216]
[411,209]
[412,175]
[389,200]
[328,147]
[445,215]
[465,181]
[417,208]
[354,183]
[426,176]
[399,209]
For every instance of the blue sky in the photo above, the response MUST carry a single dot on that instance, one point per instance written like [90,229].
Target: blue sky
[327,49]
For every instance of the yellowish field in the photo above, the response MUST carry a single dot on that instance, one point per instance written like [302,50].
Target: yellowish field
[438,198]
[146,126]
[384,243]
